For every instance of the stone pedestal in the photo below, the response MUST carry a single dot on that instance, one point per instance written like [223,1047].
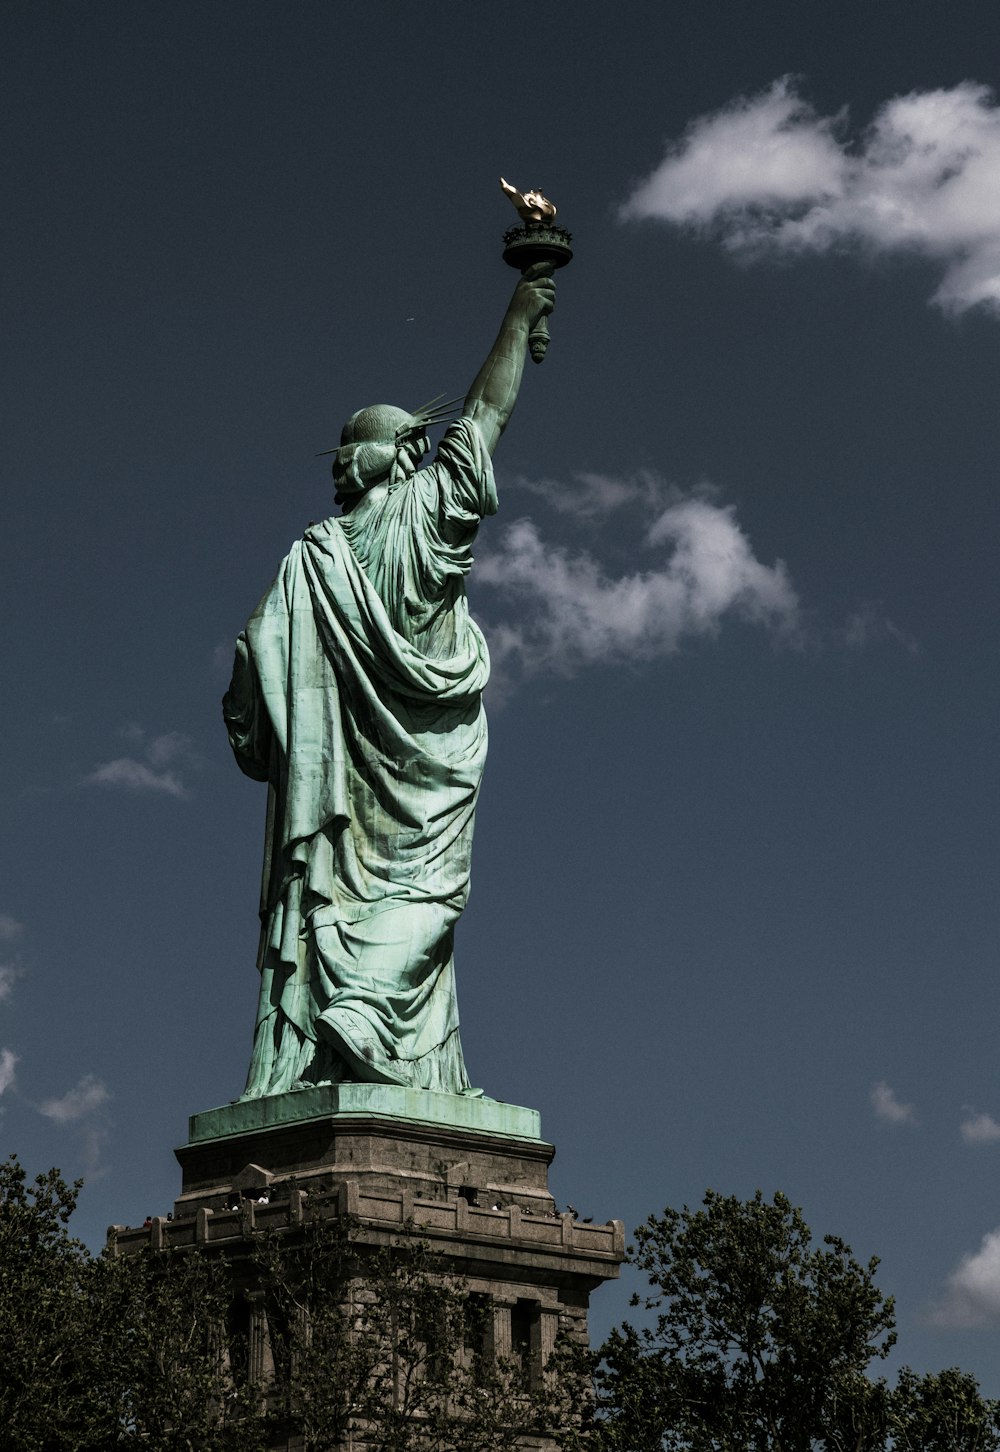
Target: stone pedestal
[377,1136]
[469,1176]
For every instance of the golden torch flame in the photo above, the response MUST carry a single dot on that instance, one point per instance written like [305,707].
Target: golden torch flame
[531,206]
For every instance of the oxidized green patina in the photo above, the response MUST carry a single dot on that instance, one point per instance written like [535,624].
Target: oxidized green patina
[356,695]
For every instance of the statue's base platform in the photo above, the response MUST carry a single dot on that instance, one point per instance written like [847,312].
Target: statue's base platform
[378,1136]
[423,1106]
[467,1172]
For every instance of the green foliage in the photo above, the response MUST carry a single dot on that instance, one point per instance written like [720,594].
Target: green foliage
[97,1353]
[760,1341]
[139,1350]
[942,1413]
[174,1382]
[54,1390]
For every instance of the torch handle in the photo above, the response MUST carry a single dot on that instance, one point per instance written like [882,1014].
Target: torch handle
[539,251]
[538,340]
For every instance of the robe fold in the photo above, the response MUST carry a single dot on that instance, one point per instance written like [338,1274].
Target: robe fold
[356,695]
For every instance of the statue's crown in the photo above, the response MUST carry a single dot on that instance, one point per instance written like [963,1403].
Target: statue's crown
[372,437]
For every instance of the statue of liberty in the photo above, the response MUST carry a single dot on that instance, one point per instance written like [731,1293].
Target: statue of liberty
[356,695]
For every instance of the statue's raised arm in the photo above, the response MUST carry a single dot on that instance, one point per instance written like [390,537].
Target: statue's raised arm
[490,400]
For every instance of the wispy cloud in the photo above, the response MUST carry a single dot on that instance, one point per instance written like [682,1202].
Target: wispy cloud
[89,1095]
[136,776]
[8,1065]
[889,1108]
[172,746]
[767,174]
[10,969]
[84,1109]
[10,928]
[591,496]
[972,1291]
[93,1140]
[567,611]
[979,1128]
[159,765]
[869,626]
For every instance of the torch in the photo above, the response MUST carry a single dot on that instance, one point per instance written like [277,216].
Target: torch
[536,240]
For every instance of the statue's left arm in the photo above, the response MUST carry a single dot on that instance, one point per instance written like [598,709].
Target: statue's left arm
[490,400]
[246,720]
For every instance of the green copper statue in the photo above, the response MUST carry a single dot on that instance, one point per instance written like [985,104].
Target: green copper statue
[356,695]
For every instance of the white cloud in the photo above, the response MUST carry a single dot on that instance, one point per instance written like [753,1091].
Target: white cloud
[136,776]
[868,625]
[8,1064]
[766,173]
[889,1108]
[93,1138]
[572,613]
[89,1095]
[768,151]
[972,1291]
[10,969]
[167,757]
[171,746]
[10,928]
[979,1128]
[593,495]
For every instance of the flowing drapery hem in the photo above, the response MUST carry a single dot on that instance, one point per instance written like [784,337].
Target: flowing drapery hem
[285,1059]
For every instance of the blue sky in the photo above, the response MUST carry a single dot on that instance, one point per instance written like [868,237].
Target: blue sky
[734,917]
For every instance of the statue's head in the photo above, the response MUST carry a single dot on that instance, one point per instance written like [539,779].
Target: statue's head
[383,444]
[380,444]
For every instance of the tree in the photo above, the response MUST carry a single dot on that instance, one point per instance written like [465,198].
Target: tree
[760,1342]
[55,1382]
[167,1338]
[942,1413]
[145,1349]
[98,1353]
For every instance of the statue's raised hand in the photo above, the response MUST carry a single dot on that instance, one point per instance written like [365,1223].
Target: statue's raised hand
[536,293]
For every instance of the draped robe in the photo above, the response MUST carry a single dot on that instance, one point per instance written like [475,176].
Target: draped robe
[356,695]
